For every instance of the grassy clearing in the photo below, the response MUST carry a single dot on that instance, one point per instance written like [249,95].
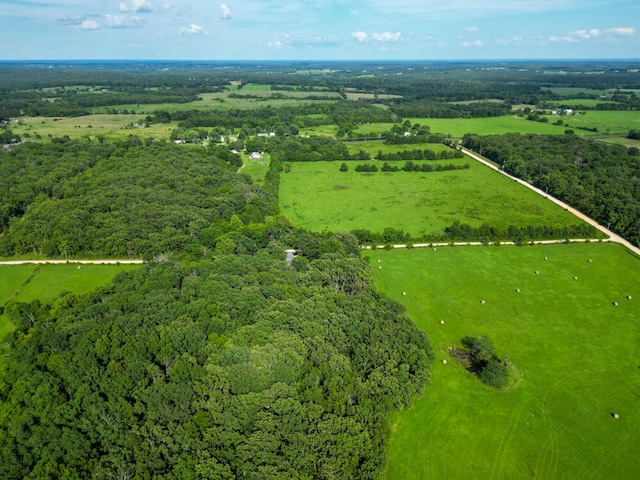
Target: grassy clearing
[612,122]
[222,101]
[92,126]
[25,283]
[458,127]
[577,355]
[255,168]
[586,102]
[318,196]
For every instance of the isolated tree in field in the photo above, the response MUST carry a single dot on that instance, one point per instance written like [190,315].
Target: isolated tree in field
[480,350]
[344,167]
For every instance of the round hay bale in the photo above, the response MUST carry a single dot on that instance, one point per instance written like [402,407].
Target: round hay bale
[379,260]
[575,278]
[404,293]
[444,361]
[628,297]
[482,302]
[380,267]
[434,249]
[79,267]
[615,415]
[441,322]
[537,272]
[590,260]
[546,258]
[517,290]
[615,304]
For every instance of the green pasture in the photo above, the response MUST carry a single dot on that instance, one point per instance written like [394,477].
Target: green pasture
[318,196]
[606,121]
[458,127]
[627,142]
[376,146]
[255,168]
[222,101]
[577,358]
[373,129]
[92,126]
[586,102]
[329,130]
[25,283]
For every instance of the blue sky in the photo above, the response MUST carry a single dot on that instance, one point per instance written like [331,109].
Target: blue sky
[318,29]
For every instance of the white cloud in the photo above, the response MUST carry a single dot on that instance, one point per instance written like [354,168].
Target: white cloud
[567,39]
[622,31]
[192,29]
[89,25]
[471,29]
[67,20]
[225,12]
[509,41]
[136,6]
[122,21]
[475,43]
[387,36]
[578,35]
[275,44]
[359,35]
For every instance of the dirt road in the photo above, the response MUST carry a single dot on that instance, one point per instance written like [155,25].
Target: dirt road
[84,262]
[612,236]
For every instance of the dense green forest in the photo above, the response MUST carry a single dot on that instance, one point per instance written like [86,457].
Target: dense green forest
[240,367]
[119,199]
[218,359]
[600,180]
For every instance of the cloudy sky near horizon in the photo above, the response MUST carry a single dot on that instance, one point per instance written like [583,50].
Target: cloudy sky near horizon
[318,29]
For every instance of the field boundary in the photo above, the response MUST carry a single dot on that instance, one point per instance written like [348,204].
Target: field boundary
[613,237]
[62,262]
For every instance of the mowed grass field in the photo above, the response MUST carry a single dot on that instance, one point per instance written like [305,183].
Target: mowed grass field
[109,126]
[458,127]
[25,283]
[577,355]
[318,196]
[610,122]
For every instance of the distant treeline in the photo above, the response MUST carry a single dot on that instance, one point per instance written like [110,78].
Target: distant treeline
[418,154]
[407,167]
[461,232]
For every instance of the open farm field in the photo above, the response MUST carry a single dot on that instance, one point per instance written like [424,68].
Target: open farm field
[25,283]
[606,121]
[373,128]
[318,196]
[223,101]
[91,126]
[458,127]
[575,352]
[586,102]
[330,130]
[627,142]
[378,146]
